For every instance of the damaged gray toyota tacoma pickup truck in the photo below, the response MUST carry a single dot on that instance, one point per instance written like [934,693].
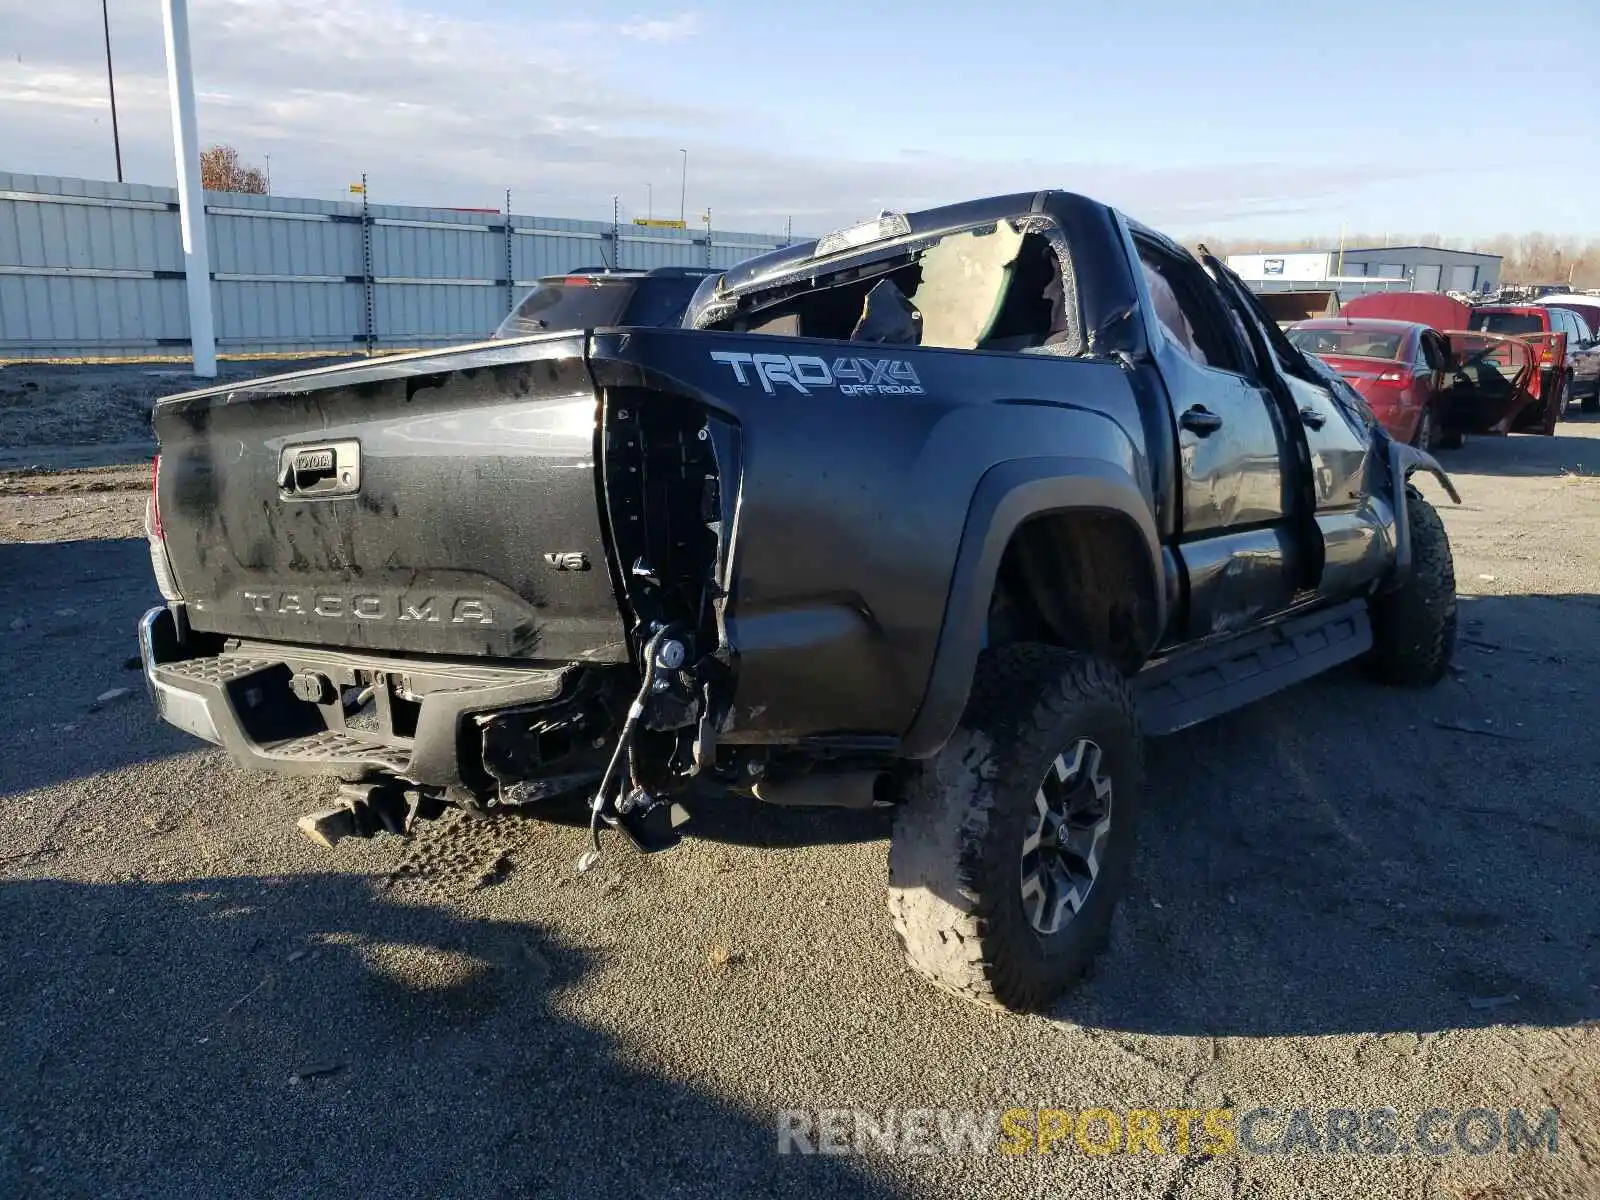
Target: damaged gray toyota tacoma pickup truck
[944,512]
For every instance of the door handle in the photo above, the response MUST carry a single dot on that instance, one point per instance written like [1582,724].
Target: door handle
[1200,421]
[1312,417]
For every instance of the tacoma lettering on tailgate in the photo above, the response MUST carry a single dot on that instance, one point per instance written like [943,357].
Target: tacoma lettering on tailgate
[368,606]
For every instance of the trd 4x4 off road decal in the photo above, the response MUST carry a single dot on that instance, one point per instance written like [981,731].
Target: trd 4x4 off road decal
[802,372]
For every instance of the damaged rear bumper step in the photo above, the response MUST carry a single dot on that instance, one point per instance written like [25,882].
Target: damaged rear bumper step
[260,704]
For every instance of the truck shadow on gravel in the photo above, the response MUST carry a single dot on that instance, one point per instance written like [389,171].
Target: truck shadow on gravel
[743,821]
[308,1035]
[1351,858]
[1522,454]
[74,703]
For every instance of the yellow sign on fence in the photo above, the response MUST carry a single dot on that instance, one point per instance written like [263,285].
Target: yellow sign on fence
[659,224]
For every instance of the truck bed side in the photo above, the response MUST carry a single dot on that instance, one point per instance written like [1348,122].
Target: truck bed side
[520,501]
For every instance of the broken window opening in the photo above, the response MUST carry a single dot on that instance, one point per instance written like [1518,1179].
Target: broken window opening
[997,287]
[1174,321]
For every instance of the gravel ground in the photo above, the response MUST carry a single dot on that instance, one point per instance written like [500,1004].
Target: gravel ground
[72,416]
[198,1003]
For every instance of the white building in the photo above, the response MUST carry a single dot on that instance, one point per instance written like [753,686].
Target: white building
[1355,270]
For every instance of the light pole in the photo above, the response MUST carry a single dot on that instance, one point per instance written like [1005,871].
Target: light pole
[191,194]
[683,193]
[649,202]
[111,89]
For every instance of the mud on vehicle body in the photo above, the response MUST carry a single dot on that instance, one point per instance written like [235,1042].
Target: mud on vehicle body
[943,512]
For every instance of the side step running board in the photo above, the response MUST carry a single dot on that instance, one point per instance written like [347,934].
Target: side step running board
[1196,685]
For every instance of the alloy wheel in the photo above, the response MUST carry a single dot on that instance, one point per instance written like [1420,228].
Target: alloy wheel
[1066,840]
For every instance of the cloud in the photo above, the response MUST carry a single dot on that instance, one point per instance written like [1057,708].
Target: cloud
[675,28]
[446,110]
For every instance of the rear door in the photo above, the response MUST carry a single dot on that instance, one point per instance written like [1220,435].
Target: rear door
[1343,528]
[1563,321]
[1582,354]
[1238,553]
[1433,349]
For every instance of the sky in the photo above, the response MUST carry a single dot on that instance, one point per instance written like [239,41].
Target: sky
[1243,118]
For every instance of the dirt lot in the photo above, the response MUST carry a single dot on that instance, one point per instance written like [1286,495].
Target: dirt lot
[75,416]
[1346,896]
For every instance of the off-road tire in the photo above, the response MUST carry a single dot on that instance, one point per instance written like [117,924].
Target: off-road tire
[955,858]
[1414,625]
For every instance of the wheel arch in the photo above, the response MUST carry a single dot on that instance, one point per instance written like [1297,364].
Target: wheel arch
[1019,508]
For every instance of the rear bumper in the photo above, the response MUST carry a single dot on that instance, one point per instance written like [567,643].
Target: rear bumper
[241,700]
[190,711]
[1585,379]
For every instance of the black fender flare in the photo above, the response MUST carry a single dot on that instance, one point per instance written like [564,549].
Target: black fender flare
[1404,462]
[1008,494]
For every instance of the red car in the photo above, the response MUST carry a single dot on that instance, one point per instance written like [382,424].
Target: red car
[1489,400]
[1398,366]
[1562,332]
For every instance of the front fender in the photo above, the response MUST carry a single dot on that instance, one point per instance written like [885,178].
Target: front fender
[1007,495]
[1405,461]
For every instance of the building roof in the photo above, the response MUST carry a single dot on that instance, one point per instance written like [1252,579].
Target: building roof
[1440,249]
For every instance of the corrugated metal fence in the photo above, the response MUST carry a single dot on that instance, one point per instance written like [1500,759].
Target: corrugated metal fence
[92,268]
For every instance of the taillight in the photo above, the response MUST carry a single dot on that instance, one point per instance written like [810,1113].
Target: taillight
[159,562]
[1403,378]
[155,496]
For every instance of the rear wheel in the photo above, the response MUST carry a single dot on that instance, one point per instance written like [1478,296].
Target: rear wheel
[1554,408]
[1414,625]
[1591,402]
[1426,435]
[1015,841]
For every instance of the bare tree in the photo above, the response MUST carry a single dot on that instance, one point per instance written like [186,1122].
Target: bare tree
[221,171]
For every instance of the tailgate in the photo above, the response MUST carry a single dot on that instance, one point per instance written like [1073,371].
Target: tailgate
[438,503]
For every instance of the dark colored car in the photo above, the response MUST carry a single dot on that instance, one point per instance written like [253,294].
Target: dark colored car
[1584,353]
[1399,367]
[943,512]
[599,296]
